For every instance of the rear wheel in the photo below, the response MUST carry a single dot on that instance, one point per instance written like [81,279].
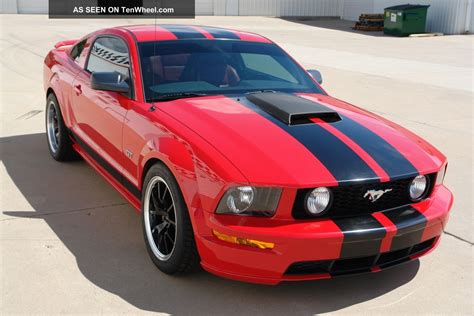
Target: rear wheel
[167,227]
[59,143]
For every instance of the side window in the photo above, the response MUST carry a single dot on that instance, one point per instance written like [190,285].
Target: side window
[77,50]
[267,65]
[109,54]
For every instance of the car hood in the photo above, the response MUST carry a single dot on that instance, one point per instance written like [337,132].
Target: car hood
[358,146]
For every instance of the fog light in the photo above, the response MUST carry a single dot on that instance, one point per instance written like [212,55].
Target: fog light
[318,200]
[418,187]
[243,241]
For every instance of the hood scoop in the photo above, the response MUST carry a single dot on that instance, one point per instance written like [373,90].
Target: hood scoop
[292,109]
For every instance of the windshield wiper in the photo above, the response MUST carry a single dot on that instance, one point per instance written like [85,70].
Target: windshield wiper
[175,96]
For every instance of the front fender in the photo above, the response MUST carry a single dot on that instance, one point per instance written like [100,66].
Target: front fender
[176,156]
[196,170]
[201,171]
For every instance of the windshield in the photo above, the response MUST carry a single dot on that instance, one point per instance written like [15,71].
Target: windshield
[219,67]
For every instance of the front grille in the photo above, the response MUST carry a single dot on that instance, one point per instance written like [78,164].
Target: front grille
[358,265]
[349,200]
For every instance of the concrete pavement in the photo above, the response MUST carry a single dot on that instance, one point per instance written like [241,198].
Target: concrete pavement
[70,244]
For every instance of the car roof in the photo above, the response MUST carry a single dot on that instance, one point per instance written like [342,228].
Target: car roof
[164,32]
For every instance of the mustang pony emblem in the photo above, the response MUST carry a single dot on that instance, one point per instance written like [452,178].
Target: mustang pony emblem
[374,195]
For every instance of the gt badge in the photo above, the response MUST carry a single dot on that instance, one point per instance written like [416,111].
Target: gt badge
[129,154]
[374,195]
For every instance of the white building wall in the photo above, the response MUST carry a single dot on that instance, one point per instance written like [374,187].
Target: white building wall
[470,17]
[219,7]
[353,8]
[204,7]
[446,16]
[8,6]
[32,6]
[290,7]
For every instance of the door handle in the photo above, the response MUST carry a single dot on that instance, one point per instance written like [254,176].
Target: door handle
[78,89]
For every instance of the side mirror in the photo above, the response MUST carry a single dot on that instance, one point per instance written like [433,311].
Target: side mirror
[316,75]
[109,81]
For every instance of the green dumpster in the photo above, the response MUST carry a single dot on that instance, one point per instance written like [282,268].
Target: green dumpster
[406,19]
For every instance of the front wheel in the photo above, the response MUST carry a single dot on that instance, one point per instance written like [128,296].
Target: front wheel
[167,227]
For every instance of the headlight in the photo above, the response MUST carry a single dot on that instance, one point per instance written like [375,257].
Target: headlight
[240,199]
[418,187]
[248,200]
[318,200]
[440,175]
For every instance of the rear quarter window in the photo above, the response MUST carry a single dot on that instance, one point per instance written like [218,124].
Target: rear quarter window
[77,50]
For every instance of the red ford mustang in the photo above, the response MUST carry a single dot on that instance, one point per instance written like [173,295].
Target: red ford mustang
[237,158]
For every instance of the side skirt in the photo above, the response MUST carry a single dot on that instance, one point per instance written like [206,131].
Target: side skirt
[121,188]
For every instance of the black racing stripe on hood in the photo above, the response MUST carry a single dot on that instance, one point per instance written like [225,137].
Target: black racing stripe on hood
[410,227]
[388,157]
[183,32]
[220,33]
[341,161]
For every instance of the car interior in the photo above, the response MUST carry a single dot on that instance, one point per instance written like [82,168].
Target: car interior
[211,68]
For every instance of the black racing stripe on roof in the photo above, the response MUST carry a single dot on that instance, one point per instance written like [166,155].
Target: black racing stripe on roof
[341,161]
[220,33]
[183,32]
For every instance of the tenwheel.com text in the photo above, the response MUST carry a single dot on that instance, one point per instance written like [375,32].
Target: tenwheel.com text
[78,9]
[122,10]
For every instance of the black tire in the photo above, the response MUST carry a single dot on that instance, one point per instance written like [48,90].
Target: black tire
[183,257]
[59,145]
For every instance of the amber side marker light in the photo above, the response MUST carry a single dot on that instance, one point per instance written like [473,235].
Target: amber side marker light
[243,241]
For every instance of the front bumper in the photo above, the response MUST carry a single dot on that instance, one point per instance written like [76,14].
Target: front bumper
[316,249]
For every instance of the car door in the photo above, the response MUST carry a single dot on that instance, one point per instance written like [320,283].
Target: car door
[99,115]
